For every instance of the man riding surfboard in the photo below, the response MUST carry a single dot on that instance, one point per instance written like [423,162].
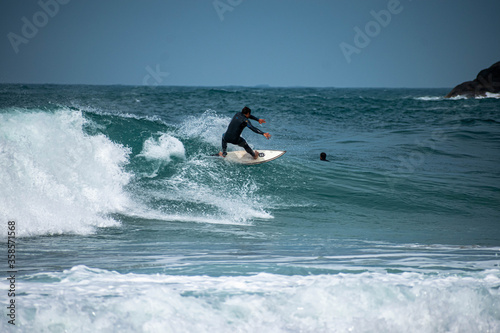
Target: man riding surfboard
[236,126]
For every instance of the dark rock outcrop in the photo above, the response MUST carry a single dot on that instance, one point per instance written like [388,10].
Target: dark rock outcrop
[488,80]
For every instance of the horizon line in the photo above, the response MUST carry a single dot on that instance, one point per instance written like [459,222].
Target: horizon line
[258,86]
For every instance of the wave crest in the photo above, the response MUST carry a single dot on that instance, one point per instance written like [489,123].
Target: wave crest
[56,178]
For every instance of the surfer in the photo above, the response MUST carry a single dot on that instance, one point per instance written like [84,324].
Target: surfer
[322,157]
[236,126]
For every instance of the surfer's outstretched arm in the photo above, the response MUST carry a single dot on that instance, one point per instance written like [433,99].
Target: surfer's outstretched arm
[253,128]
[261,121]
[258,131]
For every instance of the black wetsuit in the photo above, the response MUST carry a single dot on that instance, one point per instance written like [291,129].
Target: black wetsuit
[236,126]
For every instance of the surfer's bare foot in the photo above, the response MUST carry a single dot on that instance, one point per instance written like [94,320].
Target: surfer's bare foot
[256,155]
[221,154]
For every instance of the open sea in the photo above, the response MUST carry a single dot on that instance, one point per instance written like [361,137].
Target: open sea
[124,222]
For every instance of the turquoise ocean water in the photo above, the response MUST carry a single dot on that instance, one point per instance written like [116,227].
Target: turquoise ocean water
[125,223]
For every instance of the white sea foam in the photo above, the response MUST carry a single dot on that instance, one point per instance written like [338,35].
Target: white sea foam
[94,300]
[154,214]
[98,111]
[163,148]
[429,98]
[490,95]
[458,97]
[212,196]
[55,178]
[209,127]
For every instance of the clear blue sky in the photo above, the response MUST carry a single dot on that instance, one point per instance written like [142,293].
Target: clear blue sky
[318,43]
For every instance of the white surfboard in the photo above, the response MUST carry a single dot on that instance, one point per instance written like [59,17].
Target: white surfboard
[242,157]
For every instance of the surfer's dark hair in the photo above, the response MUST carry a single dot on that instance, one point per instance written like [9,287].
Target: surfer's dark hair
[246,110]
